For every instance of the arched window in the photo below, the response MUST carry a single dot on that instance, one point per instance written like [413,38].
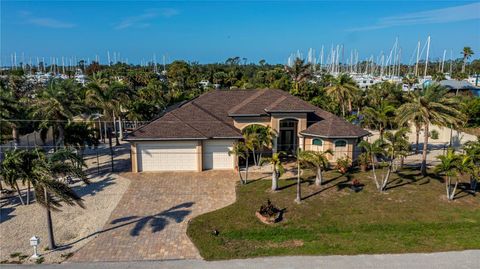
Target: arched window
[317,142]
[340,143]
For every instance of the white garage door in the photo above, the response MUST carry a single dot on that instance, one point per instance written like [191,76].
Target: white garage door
[167,156]
[215,154]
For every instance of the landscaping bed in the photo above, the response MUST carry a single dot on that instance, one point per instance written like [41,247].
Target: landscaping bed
[412,216]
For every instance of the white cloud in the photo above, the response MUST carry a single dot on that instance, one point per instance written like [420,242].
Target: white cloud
[443,15]
[142,20]
[29,18]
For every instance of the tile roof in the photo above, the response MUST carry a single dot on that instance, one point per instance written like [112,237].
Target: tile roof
[210,116]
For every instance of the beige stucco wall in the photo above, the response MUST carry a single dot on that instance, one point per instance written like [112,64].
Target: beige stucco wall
[329,143]
[242,122]
[133,151]
[199,155]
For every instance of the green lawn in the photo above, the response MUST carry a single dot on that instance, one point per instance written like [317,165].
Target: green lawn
[414,216]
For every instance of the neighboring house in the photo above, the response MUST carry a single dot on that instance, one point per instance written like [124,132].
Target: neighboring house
[198,134]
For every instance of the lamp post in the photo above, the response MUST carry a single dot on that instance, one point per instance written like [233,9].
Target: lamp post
[34,242]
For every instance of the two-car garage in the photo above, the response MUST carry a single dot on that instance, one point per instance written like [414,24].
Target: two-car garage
[196,155]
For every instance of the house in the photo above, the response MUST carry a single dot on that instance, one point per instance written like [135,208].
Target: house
[197,135]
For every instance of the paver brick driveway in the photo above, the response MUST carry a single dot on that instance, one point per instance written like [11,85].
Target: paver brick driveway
[150,221]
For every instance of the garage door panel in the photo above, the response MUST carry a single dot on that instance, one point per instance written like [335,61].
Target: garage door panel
[167,156]
[215,154]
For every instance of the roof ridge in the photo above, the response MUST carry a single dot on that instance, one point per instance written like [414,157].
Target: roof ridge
[215,117]
[247,100]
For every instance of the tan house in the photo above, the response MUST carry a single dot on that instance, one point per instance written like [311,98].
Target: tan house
[197,135]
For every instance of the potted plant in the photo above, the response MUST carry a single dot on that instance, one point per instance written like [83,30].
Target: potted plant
[363,161]
[356,185]
[269,213]
[343,164]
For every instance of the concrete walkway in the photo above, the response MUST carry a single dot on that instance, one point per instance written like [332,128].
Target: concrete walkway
[459,260]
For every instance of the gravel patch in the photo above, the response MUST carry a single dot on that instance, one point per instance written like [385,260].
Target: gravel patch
[73,226]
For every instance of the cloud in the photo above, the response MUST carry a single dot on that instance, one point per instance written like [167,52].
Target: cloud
[28,17]
[443,15]
[142,20]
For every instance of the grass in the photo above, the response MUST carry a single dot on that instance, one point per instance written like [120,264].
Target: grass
[412,216]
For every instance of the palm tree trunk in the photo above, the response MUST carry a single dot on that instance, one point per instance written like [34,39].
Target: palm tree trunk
[274,180]
[51,239]
[254,157]
[463,65]
[417,138]
[120,126]
[423,168]
[16,139]
[28,192]
[246,171]
[375,173]
[447,186]
[319,178]
[299,191]
[115,130]
[19,193]
[452,195]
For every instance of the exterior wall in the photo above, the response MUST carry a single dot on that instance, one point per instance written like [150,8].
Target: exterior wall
[242,122]
[329,143]
[133,157]
[199,156]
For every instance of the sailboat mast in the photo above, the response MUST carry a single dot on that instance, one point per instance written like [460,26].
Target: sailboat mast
[426,59]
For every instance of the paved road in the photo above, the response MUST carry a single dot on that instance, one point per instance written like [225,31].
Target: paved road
[469,259]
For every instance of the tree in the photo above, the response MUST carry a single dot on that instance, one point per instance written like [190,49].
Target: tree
[410,80]
[429,106]
[377,150]
[240,151]
[277,168]
[398,146]
[299,72]
[450,164]
[379,116]
[471,162]
[108,97]
[50,192]
[12,170]
[343,90]
[56,105]
[467,52]
[261,138]
[319,160]
[79,136]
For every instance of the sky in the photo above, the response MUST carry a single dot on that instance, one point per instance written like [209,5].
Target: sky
[205,32]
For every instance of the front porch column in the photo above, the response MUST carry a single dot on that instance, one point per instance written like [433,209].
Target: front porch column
[274,144]
[301,142]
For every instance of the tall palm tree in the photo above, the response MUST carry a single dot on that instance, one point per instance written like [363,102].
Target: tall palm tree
[12,170]
[467,52]
[430,106]
[471,162]
[240,151]
[379,116]
[450,164]
[9,112]
[343,89]
[410,80]
[56,105]
[108,97]
[277,167]
[397,146]
[319,160]
[299,72]
[50,192]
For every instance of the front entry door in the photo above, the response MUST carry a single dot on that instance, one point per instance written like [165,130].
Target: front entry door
[286,140]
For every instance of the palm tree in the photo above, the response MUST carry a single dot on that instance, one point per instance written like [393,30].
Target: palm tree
[277,168]
[56,105]
[12,170]
[343,90]
[109,98]
[9,112]
[471,161]
[467,52]
[299,72]
[410,80]
[240,151]
[397,145]
[373,151]
[319,160]
[429,106]
[450,164]
[380,116]
[261,138]
[50,192]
